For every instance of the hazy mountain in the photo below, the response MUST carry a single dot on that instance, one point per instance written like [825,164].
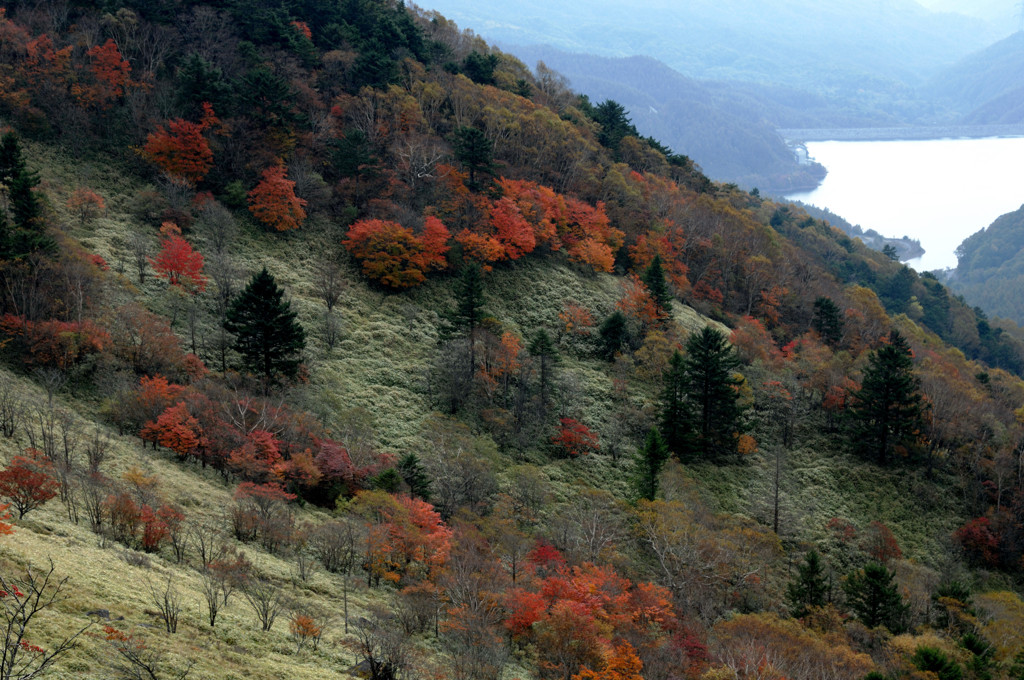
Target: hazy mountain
[990,272]
[859,53]
[730,132]
[986,87]
[1004,14]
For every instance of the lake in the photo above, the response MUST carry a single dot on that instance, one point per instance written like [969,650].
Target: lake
[939,191]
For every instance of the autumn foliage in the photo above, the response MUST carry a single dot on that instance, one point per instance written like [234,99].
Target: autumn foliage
[28,482]
[575,439]
[393,255]
[178,262]
[273,201]
[182,150]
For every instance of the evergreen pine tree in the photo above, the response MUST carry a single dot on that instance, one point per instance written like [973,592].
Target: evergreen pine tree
[874,597]
[827,321]
[650,459]
[469,311]
[266,333]
[415,476]
[887,410]
[544,350]
[657,286]
[810,588]
[614,335]
[474,150]
[675,414]
[23,231]
[705,422]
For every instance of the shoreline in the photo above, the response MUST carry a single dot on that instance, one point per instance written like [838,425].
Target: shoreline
[907,133]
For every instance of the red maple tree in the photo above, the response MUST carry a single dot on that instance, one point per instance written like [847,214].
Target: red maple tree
[178,262]
[273,201]
[182,149]
[28,482]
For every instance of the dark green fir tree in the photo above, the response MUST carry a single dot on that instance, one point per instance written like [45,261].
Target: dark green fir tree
[873,595]
[650,459]
[886,413]
[701,412]
[415,476]
[475,152]
[657,286]
[613,334]
[266,332]
[810,587]
[828,321]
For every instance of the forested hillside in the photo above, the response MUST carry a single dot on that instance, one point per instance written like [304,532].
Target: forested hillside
[729,132]
[336,342]
[990,269]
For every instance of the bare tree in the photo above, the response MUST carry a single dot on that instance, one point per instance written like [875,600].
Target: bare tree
[12,407]
[266,599]
[328,280]
[331,329]
[25,598]
[218,225]
[168,604]
[96,448]
[135,660]
[140,248]
[384,646]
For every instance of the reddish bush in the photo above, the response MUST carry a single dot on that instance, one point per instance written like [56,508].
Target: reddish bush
[575,439]
[28,482]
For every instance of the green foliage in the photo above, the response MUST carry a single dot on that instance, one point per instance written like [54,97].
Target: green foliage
[657,286]
[469,310]
[480,67]
[935,661]
[701,415]
[266,332]
[828,321]
[614,335]
[873,596]
[389,480]
[982,663]
[22,232]
[810,587]
[886,414]
[475,151]
[414,476]
[649,461]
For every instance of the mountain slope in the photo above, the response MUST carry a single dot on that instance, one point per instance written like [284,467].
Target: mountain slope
[985,86]
[494,277]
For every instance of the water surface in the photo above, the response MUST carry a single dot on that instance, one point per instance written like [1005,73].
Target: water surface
[939,191]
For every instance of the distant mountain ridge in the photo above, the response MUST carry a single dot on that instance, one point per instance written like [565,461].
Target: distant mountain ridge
[728,131]
[987,87]
[855,52]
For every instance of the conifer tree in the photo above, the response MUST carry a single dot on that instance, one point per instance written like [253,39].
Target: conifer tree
[544,349]
[415,476]
[266,333]
[701,413]
[469,310]
[874,597]
[614,334]
[887,410]
[657,286]
[828,321]
[650,459]
[22,232]
[475,151]
[810,588]
[675,415]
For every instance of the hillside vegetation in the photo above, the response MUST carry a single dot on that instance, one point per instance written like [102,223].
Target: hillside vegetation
[990,269]
[339,343]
